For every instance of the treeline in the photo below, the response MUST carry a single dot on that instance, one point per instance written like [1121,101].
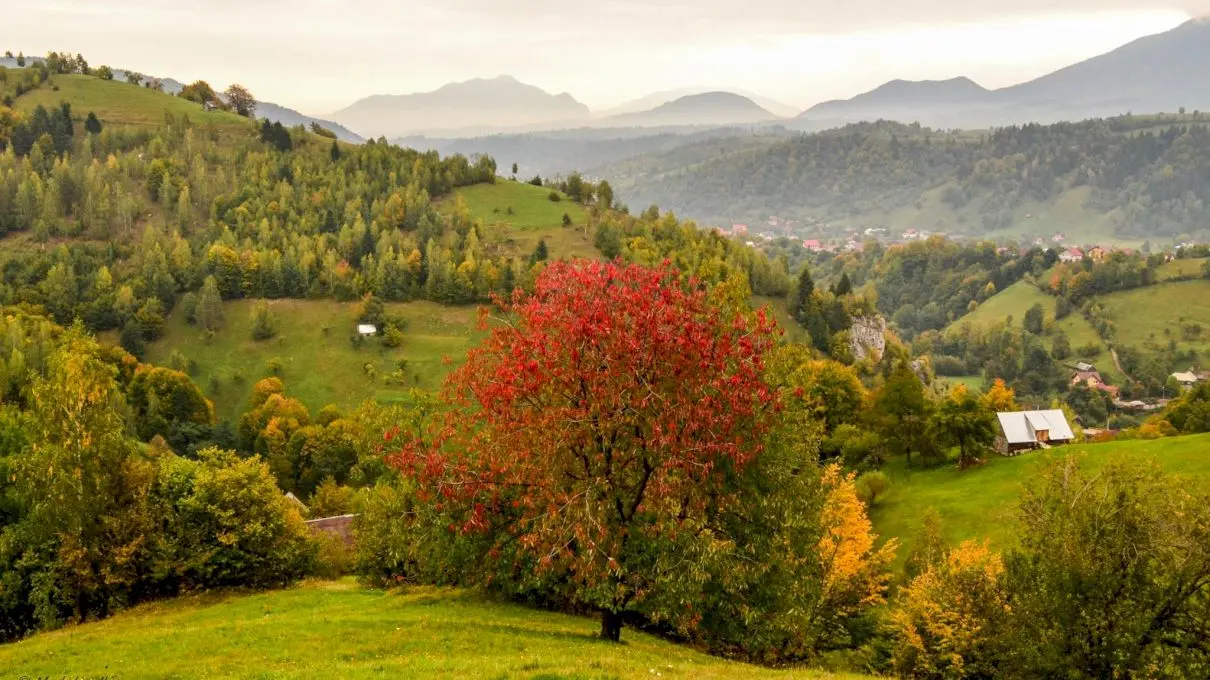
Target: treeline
[1155,175]
[92,521]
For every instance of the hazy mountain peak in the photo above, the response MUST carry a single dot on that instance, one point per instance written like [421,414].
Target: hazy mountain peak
[500,102]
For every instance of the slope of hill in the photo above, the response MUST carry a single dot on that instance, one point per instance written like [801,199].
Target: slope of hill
[497,103]
[316,354]
[1162,72]
[422,633]
[1128,177]
[709,108]
[121,103]
[981,502]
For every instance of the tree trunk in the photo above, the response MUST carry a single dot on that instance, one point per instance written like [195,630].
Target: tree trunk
[611,626]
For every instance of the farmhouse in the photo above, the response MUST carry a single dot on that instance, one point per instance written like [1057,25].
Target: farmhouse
[1027,430]
[1187,379]
[1071,255]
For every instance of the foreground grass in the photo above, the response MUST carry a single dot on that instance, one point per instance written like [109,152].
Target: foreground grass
[341,630]
[982,502]
[320,362]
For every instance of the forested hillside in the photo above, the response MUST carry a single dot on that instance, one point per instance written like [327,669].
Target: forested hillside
[1137,176]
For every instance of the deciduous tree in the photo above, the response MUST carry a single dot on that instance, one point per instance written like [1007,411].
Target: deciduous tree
[606,410]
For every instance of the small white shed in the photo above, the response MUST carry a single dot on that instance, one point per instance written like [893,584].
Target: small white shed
[367,329]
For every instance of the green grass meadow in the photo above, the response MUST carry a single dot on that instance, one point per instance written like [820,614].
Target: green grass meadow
[338,629]
[122,103]
[534,217]
[982,502]
[320,362]
[1160,312]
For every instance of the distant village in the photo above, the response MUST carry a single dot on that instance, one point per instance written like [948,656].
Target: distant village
[811,233]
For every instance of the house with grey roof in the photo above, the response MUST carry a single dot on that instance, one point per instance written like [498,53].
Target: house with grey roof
[1028,430]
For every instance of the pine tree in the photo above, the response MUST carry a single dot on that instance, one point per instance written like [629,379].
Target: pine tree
[540,253]
[844,286]
[800,305]
[92,125]
[334,152]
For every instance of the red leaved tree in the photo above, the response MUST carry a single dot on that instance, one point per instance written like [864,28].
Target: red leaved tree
[604,412]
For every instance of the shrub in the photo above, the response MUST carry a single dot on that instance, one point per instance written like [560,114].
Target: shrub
[229,525]
[264,322]
[334,557]
[871,486]
[554,196]
[331,500]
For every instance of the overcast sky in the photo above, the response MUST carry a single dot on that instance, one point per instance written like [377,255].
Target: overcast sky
[321,55]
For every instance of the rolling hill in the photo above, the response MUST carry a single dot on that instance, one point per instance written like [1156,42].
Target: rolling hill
[706,109]
[1125,179]
[1153,74]
[655,99]
[290,117]
[466,108]
[420,633]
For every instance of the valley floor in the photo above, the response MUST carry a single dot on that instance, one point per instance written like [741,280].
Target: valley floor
[338,629]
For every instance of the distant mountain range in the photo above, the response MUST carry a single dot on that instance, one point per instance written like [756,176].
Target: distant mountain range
[479,105]
[1157,73]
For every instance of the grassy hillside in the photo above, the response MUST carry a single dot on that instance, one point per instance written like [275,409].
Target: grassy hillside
[1160,313]
[321,364]
[1179,268]
[341,630]
[117,103]
[1019,297]
[981,502]
[534,217]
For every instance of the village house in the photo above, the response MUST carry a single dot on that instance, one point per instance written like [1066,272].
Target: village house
[1028,430]
[1071,255]
[812,245]
[1097,254]
[1187,379]
[1092,380]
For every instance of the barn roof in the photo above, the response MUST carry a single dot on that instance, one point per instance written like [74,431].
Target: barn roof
[1019,426]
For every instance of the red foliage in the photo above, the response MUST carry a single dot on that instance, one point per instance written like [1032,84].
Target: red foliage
[613,399]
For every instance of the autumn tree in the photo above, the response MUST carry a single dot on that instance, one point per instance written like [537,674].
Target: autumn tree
[240,100]
[199,92]
[962,420]
[163,400]
[604,411]
[949,621]
[1001,398]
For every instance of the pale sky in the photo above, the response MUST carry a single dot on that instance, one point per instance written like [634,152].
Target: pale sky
[318,56]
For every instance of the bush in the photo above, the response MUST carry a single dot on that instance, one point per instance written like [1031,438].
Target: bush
[334,557]
[392,337]
[331,500]
[871,486]
[949,366]
[264,322]
[227,524]
[554,196]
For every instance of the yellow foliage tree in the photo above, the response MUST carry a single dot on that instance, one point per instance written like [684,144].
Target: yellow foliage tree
[855,572]
[948,620]
[1001,398]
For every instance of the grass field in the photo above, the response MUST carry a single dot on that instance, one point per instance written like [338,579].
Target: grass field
[341,630]
[321,365]
[534,217]
[117,103]
[981,502]
[1160,312]
[1019,297]
[1180,268]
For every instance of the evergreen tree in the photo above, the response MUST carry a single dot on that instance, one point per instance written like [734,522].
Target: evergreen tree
[800,305]
[92,125]
[334,152]
[844,286]
[540,253]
